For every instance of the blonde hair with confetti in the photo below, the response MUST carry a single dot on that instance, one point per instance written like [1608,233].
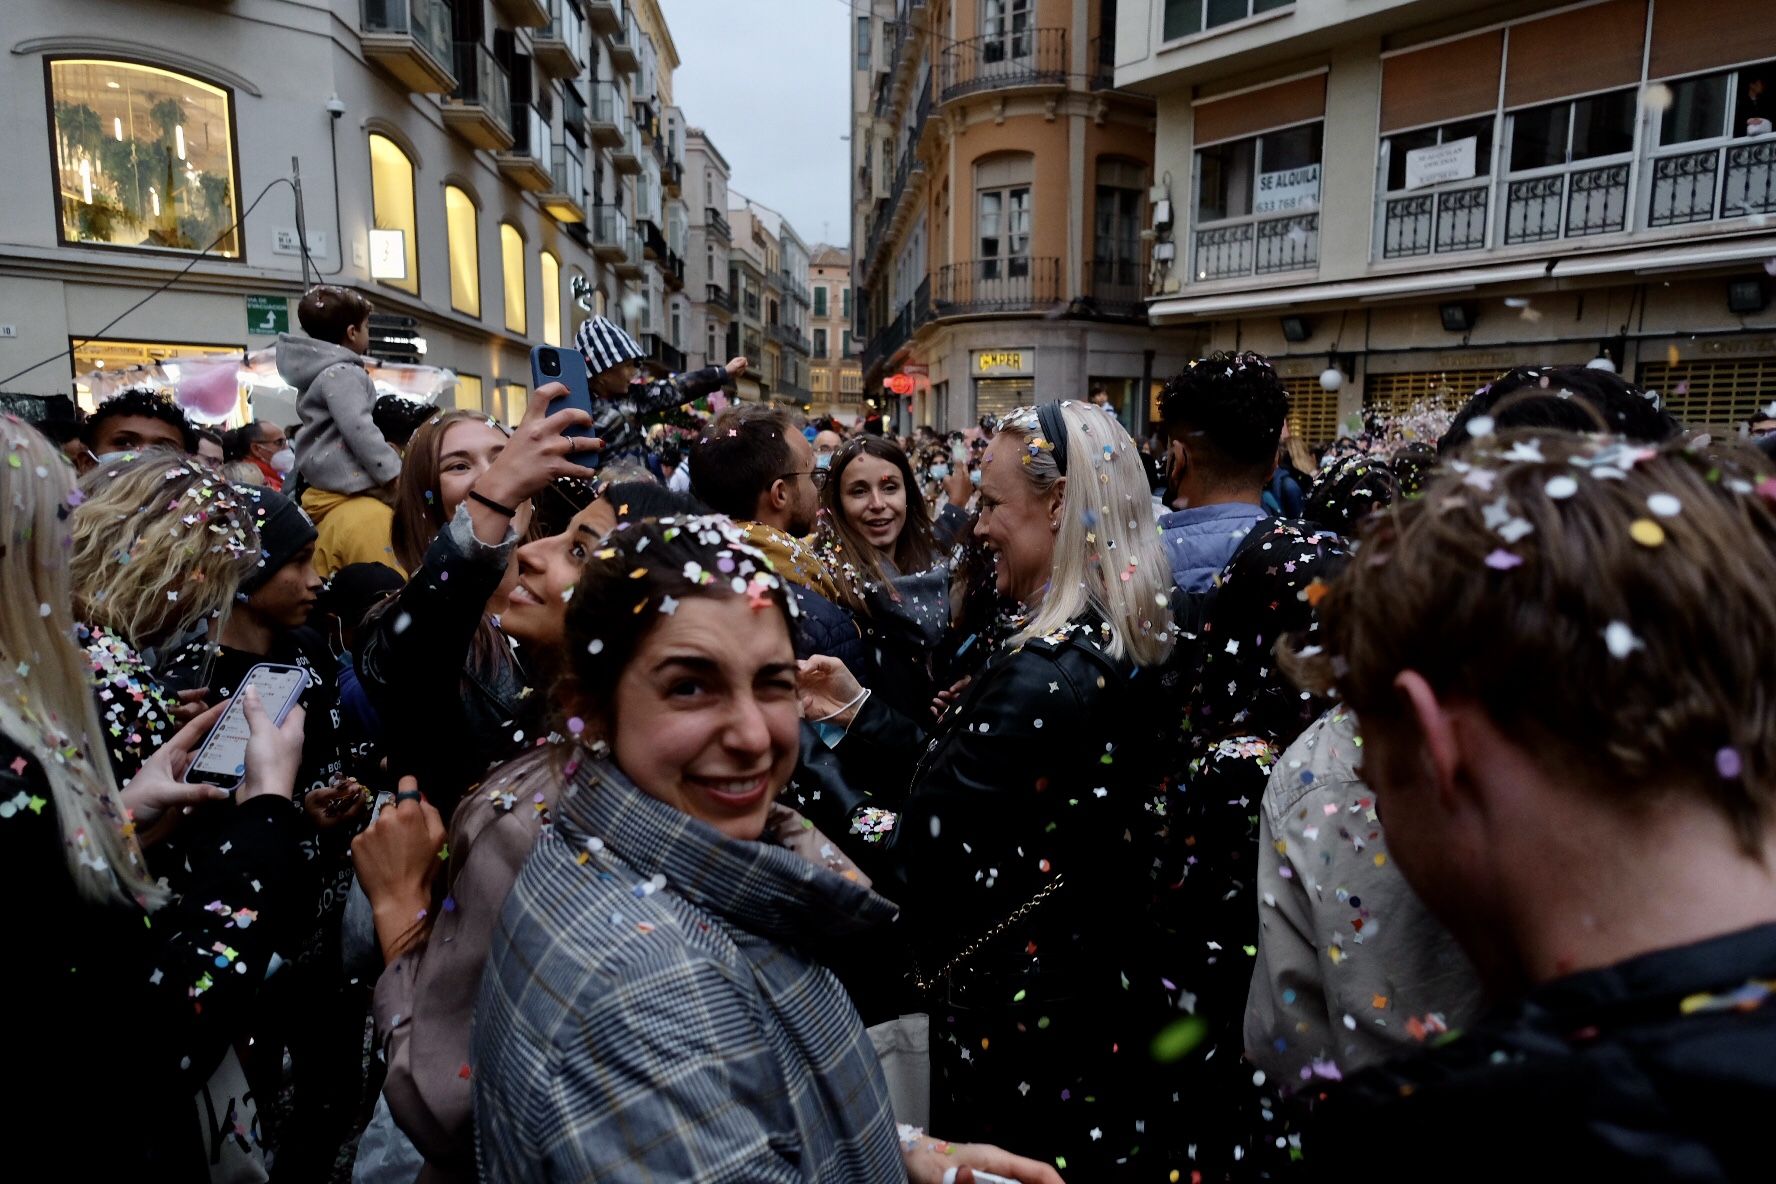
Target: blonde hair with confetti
[1107,554]
[46,700]
[160,543]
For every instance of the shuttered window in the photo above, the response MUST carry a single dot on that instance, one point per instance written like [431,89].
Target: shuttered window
[1441,83]
[1716,393]
[1690,36]
[1260,110]
[1313,411]
[1576,52]
[1399,395]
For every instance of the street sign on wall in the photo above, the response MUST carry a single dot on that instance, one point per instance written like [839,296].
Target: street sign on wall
[268,315]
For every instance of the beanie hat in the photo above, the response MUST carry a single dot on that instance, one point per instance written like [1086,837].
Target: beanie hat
[606,345]
[357,588]
[283,531]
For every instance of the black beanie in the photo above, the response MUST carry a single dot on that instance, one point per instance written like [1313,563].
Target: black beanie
[283,531]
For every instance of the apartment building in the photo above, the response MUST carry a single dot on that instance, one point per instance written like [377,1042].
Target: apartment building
[472,166]
[835,377]
[710,290]
[1409,195]
[1001,186]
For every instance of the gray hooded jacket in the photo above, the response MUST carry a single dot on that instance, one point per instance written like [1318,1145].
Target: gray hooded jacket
[339,448]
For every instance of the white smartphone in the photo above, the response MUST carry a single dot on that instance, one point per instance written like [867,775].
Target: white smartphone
[223,758]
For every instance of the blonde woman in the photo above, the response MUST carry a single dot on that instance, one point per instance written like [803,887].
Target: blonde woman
[132,997]
[1014,839]
[160,546]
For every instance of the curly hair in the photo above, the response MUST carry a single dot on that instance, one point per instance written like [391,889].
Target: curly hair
[1576,398]
[143,403]
[1233,406]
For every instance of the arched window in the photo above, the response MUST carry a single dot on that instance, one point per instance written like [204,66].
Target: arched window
[393,261]
[463,222]
[551,269]
[1002,222]
[512,265]
[144,157]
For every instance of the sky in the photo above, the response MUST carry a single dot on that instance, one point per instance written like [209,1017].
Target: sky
[769,81]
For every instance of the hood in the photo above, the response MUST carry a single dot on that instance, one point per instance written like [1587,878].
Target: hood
[300,359]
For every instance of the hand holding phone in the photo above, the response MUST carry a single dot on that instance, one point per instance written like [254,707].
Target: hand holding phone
[222,761]
[568,367]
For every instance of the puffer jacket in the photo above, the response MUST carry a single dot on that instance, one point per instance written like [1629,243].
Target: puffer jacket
[339,449]
[451,703]
[1027,800]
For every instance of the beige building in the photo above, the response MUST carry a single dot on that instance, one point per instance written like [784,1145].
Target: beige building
[1001,186]
[489,172]
[835,377]
[1422,192]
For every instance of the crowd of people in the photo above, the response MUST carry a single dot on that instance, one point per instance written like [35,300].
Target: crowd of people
[743,802]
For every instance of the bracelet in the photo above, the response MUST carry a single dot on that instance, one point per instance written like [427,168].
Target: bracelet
[861,696]
[508,511]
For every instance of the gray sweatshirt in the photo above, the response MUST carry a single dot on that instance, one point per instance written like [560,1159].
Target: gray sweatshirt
[339,448]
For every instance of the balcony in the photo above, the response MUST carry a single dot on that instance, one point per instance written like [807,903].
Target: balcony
[789,337]
[610,233]
[605,16]
[663,354]
[719,298]
[1032,58]
[523,13]
[794,287]
[717,225]
[624,52]
[1102,62]
[1016,284]
[530,162]
[630,267]
[672,176]
[605,115]
[1117,289]
[560,45]
[672,270]
[626,155]
[573,112]
[566,199]
[1262,247]
[1732,181]
[410,39]
[653,242]
[480,109]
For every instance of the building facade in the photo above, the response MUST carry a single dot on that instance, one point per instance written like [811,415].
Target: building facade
[835,378]
[489,173]
[1001,188]
[1423,196]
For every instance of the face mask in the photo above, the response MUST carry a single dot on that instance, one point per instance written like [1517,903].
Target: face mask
[823,460]
[939,472]
[105,458]
[283,460]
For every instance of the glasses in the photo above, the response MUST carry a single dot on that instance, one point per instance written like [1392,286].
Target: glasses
[817,476]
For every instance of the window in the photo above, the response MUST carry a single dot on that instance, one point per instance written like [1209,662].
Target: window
[711,351]
[1278,172]
[1002,214]
[551,276]
[863,43]
[460,217]
[1397,146]
[846,292]
[1005,29]
[1576,129]
[1185,17]
[512,265]
[509,401]
[1116,255]
[820,343]
[847,340]
[1698,110]
[144,158]
[820,300]
[391,205]
[468,392]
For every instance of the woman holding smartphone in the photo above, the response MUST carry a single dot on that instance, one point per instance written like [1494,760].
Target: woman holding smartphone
[129,983]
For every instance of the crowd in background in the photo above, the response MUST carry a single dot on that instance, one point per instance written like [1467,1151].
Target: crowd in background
[743,797]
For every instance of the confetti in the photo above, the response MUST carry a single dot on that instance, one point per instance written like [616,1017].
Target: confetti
[1646,532]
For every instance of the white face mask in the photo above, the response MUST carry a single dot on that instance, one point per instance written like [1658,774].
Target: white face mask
[283,460]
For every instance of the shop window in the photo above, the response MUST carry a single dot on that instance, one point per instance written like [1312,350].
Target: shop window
[468,392]
[551,276]
[509,402]
[512,268]
[391,205]
[1185,17]
[144,158]
[462,223]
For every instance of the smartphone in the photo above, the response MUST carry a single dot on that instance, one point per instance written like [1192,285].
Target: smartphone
[568,367]
[223,758]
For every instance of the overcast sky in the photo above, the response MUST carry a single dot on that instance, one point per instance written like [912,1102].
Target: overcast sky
[769,80]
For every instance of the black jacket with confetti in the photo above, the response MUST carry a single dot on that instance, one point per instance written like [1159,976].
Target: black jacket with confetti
[119,1016]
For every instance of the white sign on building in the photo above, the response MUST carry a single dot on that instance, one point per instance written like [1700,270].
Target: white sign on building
[1288,190]
[1453,161]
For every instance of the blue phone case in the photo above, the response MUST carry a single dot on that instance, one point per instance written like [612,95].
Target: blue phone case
[572,367]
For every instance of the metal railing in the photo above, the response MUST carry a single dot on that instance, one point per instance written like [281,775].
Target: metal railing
[573,111]
[719,298]
[569,172]
[610,228]
[1019,283]
[566,25]
[790,336]
[664,352]
[795,287]
[481,82]
[1570,204]
[530,135]
[1263,247]
[713,220]
[653,240]
[1103,61]
[426,21]
[1688,187]
[1427,223]
[998,61]
[1118,287]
